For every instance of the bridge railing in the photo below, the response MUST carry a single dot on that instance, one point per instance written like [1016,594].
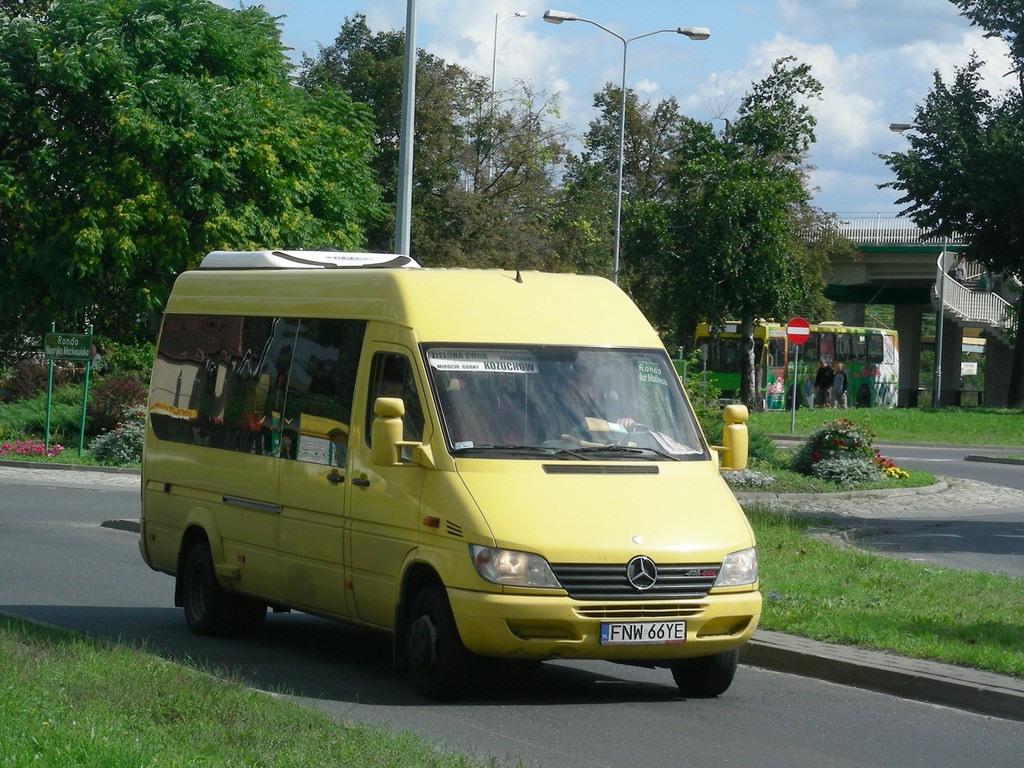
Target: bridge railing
[876,229]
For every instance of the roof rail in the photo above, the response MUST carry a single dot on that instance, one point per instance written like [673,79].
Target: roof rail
[304,260]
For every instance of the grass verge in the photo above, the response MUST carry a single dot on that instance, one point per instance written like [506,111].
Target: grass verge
[819,588]
[67,700]
[955,426]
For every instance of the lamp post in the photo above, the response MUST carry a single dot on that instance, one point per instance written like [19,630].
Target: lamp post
[494,55]
[940,319]
[694,33]
[403,207]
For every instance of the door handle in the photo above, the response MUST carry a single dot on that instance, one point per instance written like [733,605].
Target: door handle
[362,482]
[334,478]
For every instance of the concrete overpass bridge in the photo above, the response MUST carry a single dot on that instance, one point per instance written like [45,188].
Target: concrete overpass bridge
[897,265]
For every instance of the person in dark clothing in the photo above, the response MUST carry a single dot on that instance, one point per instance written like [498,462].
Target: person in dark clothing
[823,384]
[840,383]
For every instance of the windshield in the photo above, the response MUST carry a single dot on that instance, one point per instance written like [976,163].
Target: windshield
[569,402]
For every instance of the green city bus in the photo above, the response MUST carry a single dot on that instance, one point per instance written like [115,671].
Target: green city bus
[870,356]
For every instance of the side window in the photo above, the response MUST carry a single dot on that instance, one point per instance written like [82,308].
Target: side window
[875,352]
[318,407]
[827,347]
[213,383]
[391,376]
[842,347]
[860,348]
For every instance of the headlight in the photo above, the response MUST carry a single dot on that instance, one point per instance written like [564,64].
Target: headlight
[512,569]
[738,568]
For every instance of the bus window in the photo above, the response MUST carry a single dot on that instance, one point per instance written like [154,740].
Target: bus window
[842,347]
[860,348]
[876,354]
[773,359]
[809,350]
[827,347]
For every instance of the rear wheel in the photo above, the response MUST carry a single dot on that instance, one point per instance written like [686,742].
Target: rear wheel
[863,397]
[209,610]
[438,661]
[707,676]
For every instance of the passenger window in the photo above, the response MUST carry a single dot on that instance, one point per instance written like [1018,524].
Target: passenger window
[842,347]
[875,351]
[213,384]
[391,376]
[318,406]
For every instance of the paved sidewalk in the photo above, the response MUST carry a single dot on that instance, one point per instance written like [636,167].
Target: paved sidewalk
[943,684]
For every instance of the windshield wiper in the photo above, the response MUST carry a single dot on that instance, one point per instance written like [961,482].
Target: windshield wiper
[628,450]
[536,449]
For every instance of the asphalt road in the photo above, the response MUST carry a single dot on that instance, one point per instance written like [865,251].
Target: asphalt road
[59,564]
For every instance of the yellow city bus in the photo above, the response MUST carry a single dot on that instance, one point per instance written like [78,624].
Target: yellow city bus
[870,356]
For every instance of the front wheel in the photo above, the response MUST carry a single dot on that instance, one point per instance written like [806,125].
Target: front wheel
[439,662]
[707,676]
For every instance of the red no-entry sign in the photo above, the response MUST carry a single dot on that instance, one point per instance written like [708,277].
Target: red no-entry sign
[797,331]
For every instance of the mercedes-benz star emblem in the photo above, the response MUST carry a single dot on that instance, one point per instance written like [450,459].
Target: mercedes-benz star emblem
[642,573]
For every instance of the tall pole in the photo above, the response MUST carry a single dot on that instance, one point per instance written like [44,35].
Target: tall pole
[494,52]
[494,64]
[694,33]
[940,321]
[622,162]
[403,210]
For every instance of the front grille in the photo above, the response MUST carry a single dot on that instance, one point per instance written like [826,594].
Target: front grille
[636,611]
[609,582]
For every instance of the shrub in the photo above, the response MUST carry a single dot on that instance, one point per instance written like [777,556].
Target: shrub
[27,379]
[27,417]
[840,436]
[122,446]
[748,478]
[126,359]
[846,469]
[112,399]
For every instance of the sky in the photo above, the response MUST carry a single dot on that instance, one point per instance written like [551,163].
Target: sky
[875,58]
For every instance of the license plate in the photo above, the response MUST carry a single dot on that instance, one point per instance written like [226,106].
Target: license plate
[643,632]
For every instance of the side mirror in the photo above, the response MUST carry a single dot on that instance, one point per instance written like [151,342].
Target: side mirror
[387,445]
[735,441]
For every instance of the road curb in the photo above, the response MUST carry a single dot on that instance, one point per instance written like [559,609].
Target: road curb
[958,687]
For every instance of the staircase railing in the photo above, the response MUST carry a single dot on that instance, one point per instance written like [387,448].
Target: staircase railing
[971,306]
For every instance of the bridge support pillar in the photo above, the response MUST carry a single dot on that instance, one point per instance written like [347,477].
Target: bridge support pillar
[850,314]
[952,354]
[998,362]
[907,319]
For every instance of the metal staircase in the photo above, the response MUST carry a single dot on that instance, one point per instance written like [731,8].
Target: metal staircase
[972,303]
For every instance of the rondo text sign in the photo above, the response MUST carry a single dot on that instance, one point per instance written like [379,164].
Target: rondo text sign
[67,346]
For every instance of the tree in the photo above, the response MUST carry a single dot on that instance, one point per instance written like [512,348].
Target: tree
[737,223]
[586,218]
[136,136]
[962,171]
[483,168]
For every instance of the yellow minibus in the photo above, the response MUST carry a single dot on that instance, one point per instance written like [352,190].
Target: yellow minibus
[482,463]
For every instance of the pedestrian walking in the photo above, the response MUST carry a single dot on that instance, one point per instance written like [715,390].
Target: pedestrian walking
[840,383]
[823,384]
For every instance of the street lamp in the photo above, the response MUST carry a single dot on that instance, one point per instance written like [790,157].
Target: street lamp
[940,320]
[694,33]
[494,56]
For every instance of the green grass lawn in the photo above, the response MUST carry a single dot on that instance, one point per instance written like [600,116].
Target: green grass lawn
[954,426]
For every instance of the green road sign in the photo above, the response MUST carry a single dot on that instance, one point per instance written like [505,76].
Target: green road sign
[67,346]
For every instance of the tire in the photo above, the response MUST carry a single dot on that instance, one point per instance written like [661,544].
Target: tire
[707,676]
[863,397]
[439,662]
[209,610]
